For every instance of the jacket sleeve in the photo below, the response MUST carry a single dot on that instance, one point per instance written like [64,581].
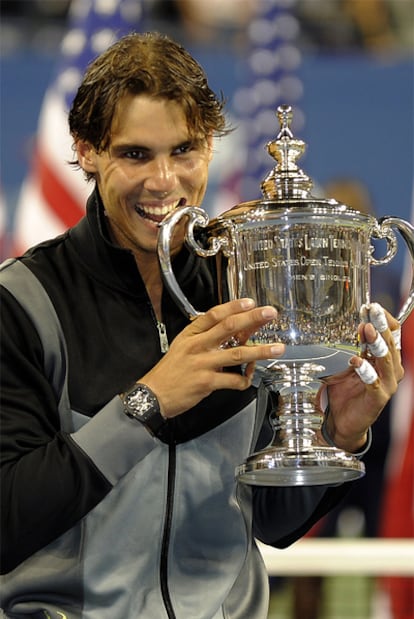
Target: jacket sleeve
[47,483]
[50,479]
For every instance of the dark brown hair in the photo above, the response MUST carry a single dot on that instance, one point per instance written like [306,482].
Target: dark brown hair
[151,64]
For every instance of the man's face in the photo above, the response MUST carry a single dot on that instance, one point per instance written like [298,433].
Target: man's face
[152,166]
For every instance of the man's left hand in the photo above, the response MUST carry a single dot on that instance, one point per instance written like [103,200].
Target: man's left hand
[358,395]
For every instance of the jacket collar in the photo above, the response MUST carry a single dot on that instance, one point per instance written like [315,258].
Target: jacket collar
[112,264]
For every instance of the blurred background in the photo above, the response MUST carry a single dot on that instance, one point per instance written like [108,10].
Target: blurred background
[347,69]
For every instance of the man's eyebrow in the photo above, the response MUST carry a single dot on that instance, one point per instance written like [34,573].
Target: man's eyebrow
[129,146]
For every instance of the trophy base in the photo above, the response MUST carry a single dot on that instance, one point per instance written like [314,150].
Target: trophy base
[277,466]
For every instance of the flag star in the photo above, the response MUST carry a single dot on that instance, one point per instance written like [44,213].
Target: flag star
[74,42]
[267,91]
[69,80]
[262,31]
[263,61]
[287,26]
[79,10]
[102,39]
[244,101]
[106,7]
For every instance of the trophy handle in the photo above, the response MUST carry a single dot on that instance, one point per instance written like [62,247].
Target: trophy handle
[196,217]
[384,231]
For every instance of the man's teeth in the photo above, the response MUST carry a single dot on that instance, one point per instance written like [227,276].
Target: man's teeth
[157,211]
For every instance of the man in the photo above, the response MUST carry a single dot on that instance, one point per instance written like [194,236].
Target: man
[137,515]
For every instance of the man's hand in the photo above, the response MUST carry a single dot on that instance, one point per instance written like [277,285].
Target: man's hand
[193,366]
[358,395]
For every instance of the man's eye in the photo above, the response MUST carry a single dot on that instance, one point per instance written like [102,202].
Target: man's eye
[183,148]
[135,154]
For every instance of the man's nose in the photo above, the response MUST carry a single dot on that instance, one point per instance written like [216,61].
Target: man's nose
[161,176]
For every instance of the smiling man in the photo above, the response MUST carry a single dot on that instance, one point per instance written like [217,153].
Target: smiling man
[122,423]
[153,164]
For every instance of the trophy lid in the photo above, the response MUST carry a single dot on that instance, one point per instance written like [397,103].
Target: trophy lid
[286,180]
[286,187]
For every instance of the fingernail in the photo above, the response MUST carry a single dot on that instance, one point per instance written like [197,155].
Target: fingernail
[269,312]
[277,349]
[247,303]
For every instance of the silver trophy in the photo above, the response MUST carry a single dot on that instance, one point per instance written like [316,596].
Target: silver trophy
[310,258]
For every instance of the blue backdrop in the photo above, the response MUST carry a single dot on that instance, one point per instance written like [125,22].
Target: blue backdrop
[358,110]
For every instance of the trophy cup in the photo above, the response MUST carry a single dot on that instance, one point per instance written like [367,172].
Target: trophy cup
[310,258]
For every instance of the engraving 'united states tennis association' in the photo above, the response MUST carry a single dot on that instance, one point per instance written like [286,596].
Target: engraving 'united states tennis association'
[305,243]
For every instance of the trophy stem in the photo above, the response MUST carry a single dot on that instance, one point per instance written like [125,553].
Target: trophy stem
[294,457]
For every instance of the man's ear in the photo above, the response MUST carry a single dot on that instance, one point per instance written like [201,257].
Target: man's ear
[86,156]
[210,144]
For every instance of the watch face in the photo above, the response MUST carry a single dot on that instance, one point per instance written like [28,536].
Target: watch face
[141,404]
[139,401]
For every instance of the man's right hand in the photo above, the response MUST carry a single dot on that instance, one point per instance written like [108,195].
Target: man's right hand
[193,366]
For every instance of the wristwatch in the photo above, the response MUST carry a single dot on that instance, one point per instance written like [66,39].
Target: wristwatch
[140,403]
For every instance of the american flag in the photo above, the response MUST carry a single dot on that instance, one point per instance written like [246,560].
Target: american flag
[270,78]
[53,196]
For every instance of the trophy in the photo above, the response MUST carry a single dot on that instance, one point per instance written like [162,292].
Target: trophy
[310,258]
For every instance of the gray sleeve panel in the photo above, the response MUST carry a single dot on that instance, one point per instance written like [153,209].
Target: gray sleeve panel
[114,442]
[30,294]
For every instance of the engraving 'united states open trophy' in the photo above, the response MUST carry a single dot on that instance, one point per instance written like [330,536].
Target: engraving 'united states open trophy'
[310,258]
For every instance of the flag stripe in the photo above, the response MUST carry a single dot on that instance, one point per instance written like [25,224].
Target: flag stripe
[65,206]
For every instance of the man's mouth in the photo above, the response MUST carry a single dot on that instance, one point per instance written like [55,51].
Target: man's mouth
[157,213]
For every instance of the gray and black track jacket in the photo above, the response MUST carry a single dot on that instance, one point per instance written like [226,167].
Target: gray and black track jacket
[99,519]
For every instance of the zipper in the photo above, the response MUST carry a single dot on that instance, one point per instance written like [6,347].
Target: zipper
[162,330]
[167,533]
[162,334]
[164,345]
